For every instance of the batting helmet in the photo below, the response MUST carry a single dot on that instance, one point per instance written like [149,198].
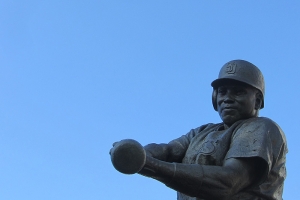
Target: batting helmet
[242,71]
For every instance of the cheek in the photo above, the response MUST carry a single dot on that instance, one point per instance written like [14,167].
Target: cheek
[219,100]
[248,105]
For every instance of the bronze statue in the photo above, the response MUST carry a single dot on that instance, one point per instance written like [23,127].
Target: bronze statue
[242,158]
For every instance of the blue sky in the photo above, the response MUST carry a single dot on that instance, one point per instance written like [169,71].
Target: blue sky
[77,76]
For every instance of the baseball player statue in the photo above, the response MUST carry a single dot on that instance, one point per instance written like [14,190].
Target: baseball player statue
[241,158]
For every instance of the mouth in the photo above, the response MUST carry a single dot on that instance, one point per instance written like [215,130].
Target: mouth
[228,108]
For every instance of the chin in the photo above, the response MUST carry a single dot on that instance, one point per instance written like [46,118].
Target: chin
[228,120]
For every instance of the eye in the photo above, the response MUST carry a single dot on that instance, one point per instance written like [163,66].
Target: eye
[240,92]
[221,91]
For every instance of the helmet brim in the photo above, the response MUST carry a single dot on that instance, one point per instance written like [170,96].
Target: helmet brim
[223,81]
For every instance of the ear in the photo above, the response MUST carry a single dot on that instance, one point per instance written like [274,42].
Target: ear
[258,100]
[214,99]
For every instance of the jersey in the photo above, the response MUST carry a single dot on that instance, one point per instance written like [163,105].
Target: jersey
[212,144]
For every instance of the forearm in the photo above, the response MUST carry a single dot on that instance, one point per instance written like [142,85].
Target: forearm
[209,182]
[171,152]
[205,181]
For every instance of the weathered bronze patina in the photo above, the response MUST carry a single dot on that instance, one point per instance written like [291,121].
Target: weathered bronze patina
[241,158]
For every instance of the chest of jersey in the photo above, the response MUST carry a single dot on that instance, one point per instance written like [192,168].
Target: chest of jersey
[208,147]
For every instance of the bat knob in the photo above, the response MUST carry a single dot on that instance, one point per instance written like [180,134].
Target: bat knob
[128,156]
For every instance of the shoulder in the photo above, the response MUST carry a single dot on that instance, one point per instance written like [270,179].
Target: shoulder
[261,124]
[259,121]
[209,126]
[262,127]
[205,127]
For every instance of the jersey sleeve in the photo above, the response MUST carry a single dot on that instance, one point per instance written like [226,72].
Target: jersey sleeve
[256,137]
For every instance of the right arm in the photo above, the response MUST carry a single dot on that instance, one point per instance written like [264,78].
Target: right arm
[175,150]
[206,181]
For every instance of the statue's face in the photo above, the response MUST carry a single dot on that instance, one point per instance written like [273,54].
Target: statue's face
[236,102]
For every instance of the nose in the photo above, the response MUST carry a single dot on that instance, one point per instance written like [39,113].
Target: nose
[228,98]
